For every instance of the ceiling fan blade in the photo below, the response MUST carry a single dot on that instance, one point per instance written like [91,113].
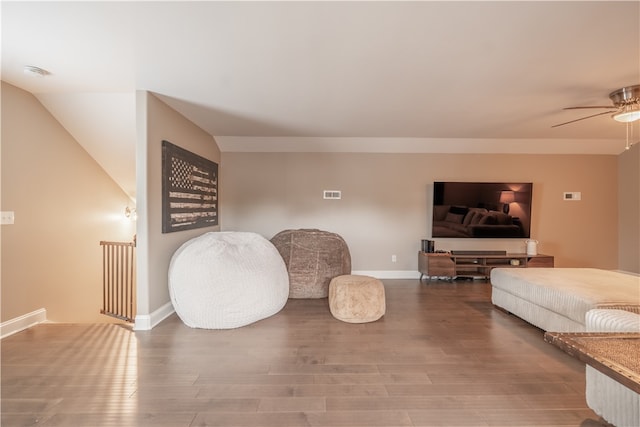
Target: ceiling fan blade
[591,106]
[584,118]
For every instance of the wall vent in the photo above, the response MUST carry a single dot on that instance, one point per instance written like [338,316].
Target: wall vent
[332,194]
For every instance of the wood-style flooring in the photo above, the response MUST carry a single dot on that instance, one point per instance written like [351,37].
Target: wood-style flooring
[441,356]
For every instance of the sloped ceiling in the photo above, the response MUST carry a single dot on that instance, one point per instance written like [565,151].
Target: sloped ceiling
[331,76]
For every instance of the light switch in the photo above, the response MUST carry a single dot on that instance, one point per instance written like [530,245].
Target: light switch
[7,217]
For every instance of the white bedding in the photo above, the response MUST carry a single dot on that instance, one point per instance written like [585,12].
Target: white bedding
[567,292]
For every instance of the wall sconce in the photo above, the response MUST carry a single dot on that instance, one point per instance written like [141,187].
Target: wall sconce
[130,213]
[507,197]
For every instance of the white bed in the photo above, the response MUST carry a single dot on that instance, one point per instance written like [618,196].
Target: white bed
[558,299]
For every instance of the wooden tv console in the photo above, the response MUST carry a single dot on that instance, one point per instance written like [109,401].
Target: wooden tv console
[445,264]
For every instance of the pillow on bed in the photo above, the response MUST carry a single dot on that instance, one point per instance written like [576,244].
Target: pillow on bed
[477,218]
[502,218]
[487,220]
[468,219]
[455,218]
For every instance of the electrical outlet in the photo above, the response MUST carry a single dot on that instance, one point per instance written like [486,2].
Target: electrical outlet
[394,258]
[7,217]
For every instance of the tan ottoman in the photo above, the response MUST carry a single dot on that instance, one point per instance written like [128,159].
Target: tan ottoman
[356,299]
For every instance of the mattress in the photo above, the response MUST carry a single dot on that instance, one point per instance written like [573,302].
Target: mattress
[569,292]
[534,314]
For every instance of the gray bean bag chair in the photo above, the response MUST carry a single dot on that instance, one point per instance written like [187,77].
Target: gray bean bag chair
[313,257]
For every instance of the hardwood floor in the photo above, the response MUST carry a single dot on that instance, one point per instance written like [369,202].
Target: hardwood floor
[441,356]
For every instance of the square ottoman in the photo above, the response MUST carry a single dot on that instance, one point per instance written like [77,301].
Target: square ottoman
[356,299]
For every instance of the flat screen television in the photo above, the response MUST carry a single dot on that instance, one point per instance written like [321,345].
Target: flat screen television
[481,209]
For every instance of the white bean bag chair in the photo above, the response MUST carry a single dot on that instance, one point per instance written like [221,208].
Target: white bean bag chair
[224,280]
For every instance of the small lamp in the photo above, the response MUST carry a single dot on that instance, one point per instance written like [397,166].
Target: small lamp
[507,197]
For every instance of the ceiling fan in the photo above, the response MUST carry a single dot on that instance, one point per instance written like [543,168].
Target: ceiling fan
[625,108]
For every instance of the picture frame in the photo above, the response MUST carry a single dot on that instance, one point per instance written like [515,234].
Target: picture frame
[189,190]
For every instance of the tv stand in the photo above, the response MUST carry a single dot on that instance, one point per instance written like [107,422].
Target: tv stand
[476,266]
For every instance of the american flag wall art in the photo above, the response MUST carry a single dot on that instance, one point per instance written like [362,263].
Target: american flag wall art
[189,190]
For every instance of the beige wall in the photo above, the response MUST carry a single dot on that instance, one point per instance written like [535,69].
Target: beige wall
[157,122]
[64,205]
[629,213]
[386,201]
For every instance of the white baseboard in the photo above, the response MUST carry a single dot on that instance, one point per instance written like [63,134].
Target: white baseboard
[390,274]
[147,322]
[23,322]
[632,273]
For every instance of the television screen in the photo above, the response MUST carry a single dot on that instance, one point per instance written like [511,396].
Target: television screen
[481,210]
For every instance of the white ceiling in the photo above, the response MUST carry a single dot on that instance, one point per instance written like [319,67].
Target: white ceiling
[429,76]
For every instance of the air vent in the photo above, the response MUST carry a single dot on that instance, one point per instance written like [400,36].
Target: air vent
[332,194]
